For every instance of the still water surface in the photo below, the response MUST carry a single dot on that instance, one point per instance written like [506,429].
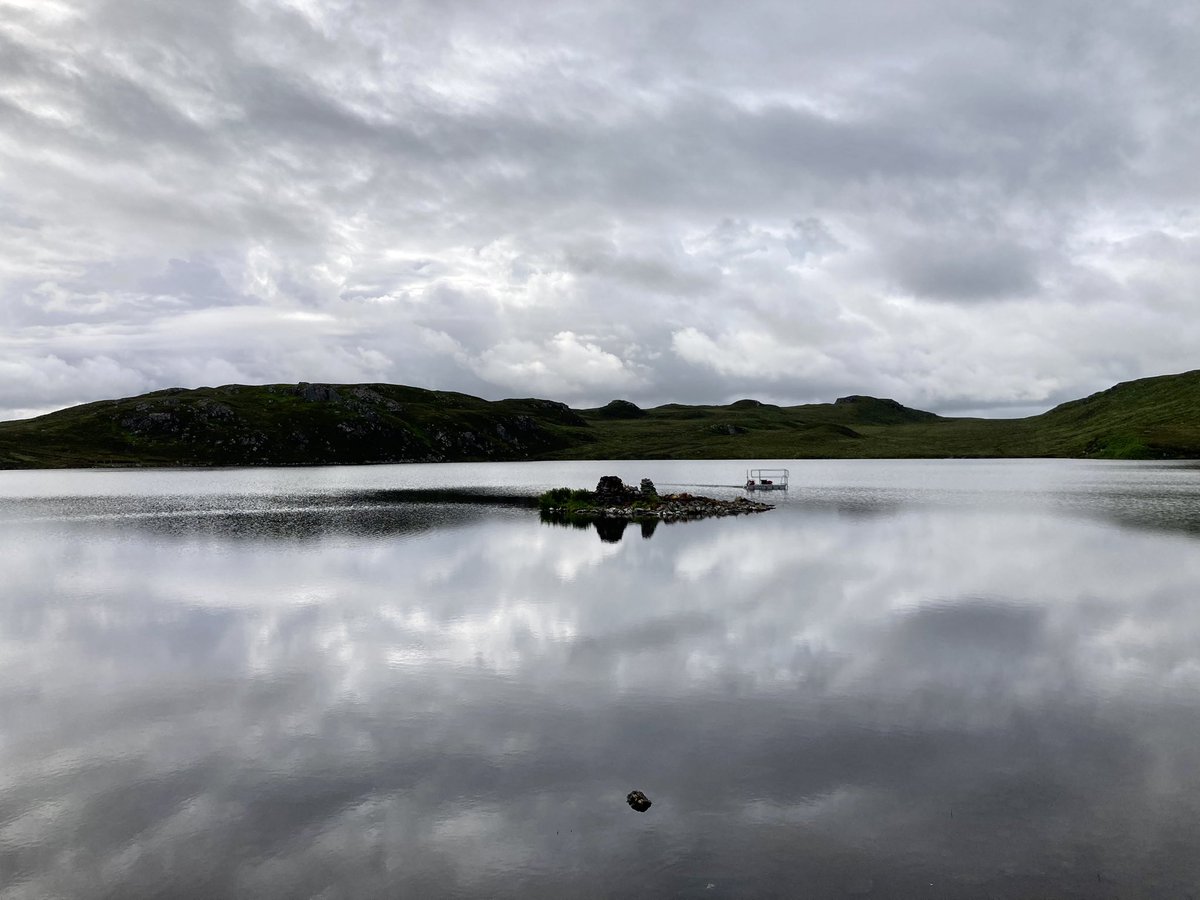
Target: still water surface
[910,679]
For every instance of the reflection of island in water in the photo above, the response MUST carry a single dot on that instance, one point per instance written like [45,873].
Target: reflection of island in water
[614,504]
[610,530]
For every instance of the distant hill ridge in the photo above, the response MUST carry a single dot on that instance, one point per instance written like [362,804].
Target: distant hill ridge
[883,412]
[324,424]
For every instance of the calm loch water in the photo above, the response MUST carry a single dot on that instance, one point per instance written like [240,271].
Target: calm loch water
[911,679]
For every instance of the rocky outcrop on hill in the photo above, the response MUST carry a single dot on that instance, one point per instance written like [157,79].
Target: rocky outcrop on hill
[881,411]
[726,428]
[620,409]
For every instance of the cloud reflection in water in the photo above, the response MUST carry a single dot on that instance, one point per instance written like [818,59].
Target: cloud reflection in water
[989,700]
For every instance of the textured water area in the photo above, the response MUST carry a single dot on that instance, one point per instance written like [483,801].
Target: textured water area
[910,679]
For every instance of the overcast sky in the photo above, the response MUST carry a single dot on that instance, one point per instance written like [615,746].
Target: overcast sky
[982,207]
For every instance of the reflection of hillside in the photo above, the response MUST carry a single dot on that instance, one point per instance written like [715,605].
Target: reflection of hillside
[272,518]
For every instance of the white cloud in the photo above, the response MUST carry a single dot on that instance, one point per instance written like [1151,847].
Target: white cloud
[753,354]
[796,201]
[566,363]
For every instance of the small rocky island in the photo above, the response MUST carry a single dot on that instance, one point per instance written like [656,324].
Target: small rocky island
[613,499]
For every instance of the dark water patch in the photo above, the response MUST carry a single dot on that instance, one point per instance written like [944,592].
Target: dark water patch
[296,517]
[485,496]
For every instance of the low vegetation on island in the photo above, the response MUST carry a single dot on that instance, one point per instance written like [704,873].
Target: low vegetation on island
[613,499]
[324,424]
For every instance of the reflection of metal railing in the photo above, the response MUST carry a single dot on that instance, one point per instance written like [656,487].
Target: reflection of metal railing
[767,479]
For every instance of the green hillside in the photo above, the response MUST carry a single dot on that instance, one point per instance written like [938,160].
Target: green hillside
[304,424]
[1152,418]
[315,424]
[1148,418]
[855,426]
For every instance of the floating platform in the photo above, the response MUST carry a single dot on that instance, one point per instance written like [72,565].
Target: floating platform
[767,479]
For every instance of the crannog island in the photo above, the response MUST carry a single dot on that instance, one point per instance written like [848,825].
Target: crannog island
[324,424]
[613,499]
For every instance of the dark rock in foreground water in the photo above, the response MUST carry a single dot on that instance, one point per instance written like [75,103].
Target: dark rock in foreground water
[638,801]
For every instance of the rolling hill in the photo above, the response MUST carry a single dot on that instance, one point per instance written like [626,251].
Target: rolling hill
[302,424]
[322,424]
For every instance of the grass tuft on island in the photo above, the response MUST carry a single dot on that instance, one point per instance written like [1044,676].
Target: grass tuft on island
[613,499]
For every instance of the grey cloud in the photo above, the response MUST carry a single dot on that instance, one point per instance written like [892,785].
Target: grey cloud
[198,282]
[965,268]
[501,174]
[676,274]
[810,239]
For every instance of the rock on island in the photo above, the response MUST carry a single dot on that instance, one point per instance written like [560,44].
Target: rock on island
[613,499]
